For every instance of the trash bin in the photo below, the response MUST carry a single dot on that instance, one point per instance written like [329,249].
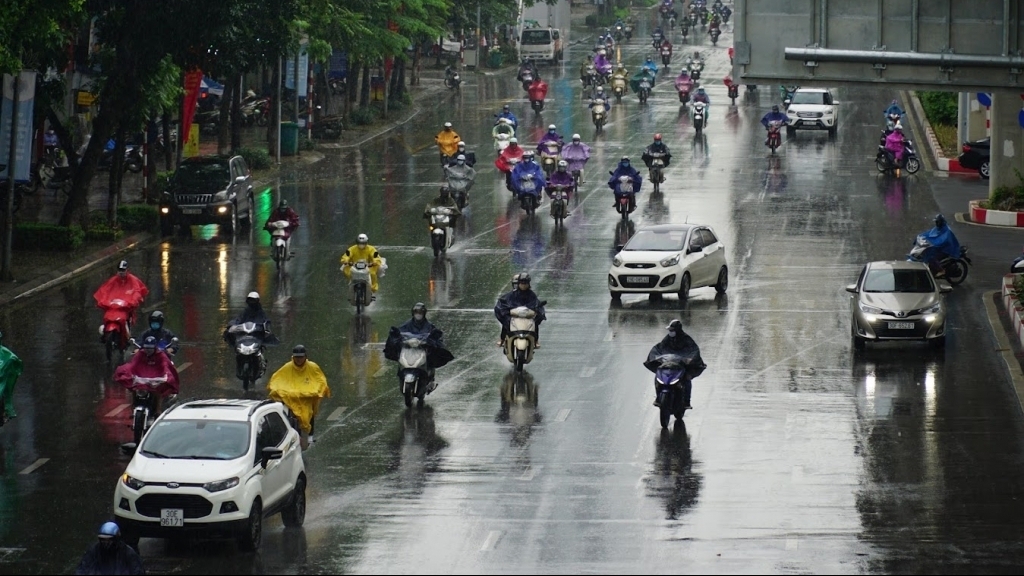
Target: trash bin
[495,58]
[289,138]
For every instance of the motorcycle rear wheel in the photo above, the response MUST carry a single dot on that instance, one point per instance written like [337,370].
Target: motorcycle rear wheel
[913,165]
[956,272]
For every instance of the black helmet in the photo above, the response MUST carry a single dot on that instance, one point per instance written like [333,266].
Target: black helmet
[419,307]
[940,220]
[149,343]
[157,317]
[675,325]
[282,204]
[299,351]
[445,191]
[775,108]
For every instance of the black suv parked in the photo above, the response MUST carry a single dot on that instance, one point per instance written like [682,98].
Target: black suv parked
[208,190]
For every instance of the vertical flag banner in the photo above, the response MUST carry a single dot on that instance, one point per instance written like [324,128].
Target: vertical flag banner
[23,131]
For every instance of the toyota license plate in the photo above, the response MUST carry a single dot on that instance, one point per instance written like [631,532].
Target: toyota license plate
[636,280]
[901,325]
[191,210]
[172,517]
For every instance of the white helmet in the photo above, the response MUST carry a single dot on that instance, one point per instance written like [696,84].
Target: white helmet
[254,295]
[362,239]
[575,136]
[551,127]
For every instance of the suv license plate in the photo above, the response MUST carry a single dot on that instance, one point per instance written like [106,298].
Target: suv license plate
[172,517]
[901,325]
[636,280]
[191,210]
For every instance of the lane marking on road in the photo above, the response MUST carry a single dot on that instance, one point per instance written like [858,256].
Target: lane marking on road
[492,540]
[183,367]
[120,408]
[562,414]
[530,473]
[373,346]
[792,544]
[380,372]
[588,371]
[35,466]
[337,413]
[608,337]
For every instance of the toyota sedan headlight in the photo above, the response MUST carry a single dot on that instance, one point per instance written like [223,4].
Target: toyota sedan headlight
[934,309]
[670,261]
[133,483]
[617,261]
[221,485]
[869,309]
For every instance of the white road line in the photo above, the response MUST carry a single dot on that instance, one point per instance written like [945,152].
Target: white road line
[337,413]
[492,540]
[588,371]
[608,337]
[530,473]
[374,345]
[183,366]
[381,372]
[792,544]
[120,408]
[562,414]
[35,466]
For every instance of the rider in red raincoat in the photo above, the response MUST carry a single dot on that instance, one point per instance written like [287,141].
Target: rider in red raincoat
[507,160]
[124,287]
[149,362]
[538,90]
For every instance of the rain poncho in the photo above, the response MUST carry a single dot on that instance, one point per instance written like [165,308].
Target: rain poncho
[121,559]
[620,171]
[894,108]
[535,185]
[576,155]
[470,157]
[10,369]
[602,64]
[460,177]
[514,299]
[634,82]
[549,136]
[652,68]
[560,178]
[447,141]
[684,83]
[130,289]
[149,366]
[943,241]
[503,128]
[894,144]
[681,345]
[656,148]
[355,253]
[449,203]
[437,354]
[538,90]
[513,151]
[511,119]
[300,389]
[773,117]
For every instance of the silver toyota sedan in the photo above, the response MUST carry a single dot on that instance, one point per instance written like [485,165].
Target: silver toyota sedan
[897,300]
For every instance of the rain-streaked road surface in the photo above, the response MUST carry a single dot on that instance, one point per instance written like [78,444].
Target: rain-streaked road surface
[798,456]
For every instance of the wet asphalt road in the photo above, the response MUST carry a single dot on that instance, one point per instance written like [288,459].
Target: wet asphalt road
[798,456]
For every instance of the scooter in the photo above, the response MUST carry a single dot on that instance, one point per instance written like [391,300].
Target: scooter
[359,286]
[522,337]
[415,378]
[955,268]
[626,197]
[695,68]
[527,79]
[714,33]
[549,157]
[774,135]
[597,116]
[673,386]
[145,392]
[666,56]
[657,168]
[441,233]
[700,120]
[279,235]
[116,327]
[1018,265]
[528,194]
[537,105]
[460,190]
[618,87]
[559,203]
[645,89]
[734,92]
[453,81]
[250,363]
[885,162]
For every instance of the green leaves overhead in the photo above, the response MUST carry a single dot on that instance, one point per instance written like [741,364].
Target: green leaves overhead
[34,32]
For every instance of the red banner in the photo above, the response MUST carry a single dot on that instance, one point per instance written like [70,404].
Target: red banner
[192,81]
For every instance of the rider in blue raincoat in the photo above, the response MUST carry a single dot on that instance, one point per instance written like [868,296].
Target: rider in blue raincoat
[624,169]
[943,243]
[506,112]
[526,186]
[893,108]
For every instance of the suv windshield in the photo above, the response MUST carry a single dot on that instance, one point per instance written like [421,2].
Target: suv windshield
[888,280]
[202,174]
[536,37]
[817,98]
[197,440]
[665,240]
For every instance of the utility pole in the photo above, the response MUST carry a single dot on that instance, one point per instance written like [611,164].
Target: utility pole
[5,267]
[277,103]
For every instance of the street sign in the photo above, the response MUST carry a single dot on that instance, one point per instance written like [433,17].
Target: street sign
[984,99]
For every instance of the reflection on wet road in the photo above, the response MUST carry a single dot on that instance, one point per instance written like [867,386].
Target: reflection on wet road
[798,457]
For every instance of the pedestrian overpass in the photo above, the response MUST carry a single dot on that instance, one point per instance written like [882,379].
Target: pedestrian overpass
[948,45]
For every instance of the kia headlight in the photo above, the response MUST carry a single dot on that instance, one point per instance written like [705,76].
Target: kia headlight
[670,261]
[133,483]
[869,309]
[617,261]
[221,485]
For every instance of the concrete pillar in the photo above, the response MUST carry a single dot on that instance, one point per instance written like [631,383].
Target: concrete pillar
[1007,154]
[963,111]
[977,120]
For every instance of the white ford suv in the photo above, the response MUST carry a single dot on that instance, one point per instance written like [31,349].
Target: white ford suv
[812,109]
[216,467]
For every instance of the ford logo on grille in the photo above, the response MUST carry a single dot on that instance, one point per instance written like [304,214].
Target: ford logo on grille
[173,485]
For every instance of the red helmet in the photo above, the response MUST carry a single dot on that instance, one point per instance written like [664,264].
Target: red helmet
[657,137]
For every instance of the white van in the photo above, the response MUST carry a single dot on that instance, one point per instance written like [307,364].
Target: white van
[541,44]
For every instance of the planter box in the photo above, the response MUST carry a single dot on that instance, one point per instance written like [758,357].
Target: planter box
[981,215]
[1013,307]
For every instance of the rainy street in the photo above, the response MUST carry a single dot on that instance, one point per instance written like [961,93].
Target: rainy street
[799,455]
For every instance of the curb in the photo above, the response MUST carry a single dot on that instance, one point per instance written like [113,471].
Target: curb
[1005,349]
[79,266]
[1013,306]
[941,163]
[995,217]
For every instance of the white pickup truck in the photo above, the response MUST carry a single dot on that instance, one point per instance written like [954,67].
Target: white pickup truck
[448,46]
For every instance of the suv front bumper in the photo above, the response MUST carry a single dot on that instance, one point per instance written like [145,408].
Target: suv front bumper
[824,123]
[212,213]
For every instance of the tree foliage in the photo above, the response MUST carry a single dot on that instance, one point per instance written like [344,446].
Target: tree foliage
[33,32]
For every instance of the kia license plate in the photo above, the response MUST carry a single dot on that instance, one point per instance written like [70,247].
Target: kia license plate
[636,280]
[901,325]
[191,210]
[172,517]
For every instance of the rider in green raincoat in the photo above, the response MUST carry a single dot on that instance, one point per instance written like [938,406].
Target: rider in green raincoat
[10,369]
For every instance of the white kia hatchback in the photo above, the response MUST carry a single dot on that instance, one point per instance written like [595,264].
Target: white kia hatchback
[669,258]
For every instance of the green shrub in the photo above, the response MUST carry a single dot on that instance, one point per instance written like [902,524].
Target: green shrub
[34,236]
[138,217]
[103,233]
[939,107]
[255,158]
[160,184]
[1018,287]
[363,115]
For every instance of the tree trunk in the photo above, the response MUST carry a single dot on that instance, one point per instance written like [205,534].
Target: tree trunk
[224,119]
[236,113]
[150,159]
[116,173]
[64,136]
[275,120]
[364,86]
[76,209]
[169,145]
[415,79]
[400,88]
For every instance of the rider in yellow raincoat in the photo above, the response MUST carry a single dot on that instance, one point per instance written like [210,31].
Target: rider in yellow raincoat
[447,142]
[362,250]
[300,385]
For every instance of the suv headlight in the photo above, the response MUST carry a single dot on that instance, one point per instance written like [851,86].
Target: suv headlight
[869,309]
[133,483]
[617,261]
[670,261]
[221,485]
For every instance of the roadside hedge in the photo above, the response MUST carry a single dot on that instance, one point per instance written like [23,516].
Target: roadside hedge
[103,233]
[138,217]
[255,158]
[35,236]
[939,107]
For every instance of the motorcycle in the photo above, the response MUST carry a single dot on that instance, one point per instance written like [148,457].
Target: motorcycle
[522,337]
[250,363]
[626,196]
[359,286]
[684,30]
[279,236]
[618,87]
[714,33]
[255,111]
[609,43]
[441,233]
[673,386]
[145,392]
[459,185]
[700,120]
[618,32]
[1017,267]
[597,115]
[695,67]
[645,90]
[734,92]
[559,203]
[955,267]
[453,81]
[657,170]
[527,79]
[501,142]
[694,20]
[415,377]
[629,32]
[684,92]
[528,194]
[885,162]
[549,157]
[666,56]
[774,135]
[656,41]
[132,159]
[116,328]
[336,86]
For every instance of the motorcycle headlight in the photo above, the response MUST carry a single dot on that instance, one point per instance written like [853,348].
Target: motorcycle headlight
[869,309]
[133,483]
[617,261]
[670,261]
[221,485]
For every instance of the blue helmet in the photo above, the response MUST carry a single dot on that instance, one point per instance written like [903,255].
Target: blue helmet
[109,530]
